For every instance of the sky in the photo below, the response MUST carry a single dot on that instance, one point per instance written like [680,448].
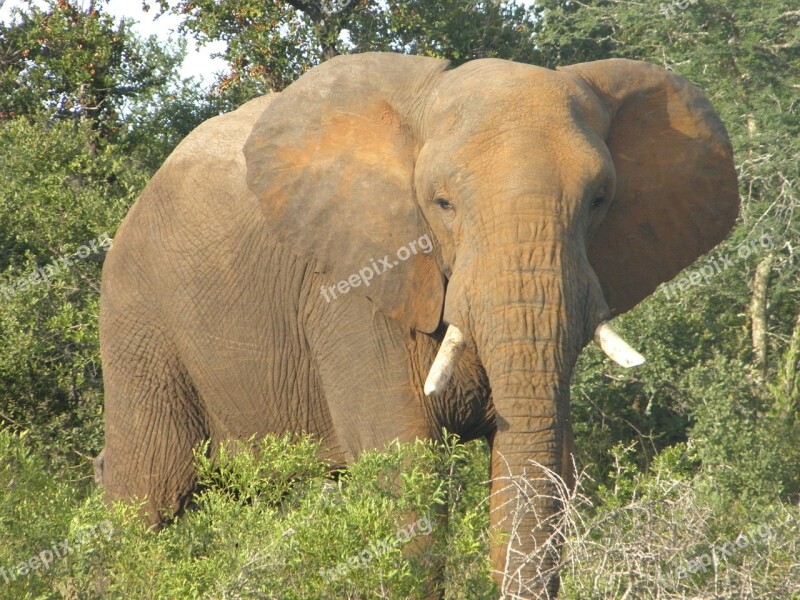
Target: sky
[198,62]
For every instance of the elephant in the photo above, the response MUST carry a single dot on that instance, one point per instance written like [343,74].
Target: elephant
[393,245]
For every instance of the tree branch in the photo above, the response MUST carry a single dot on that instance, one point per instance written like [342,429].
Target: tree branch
[312,9]
[328,24]
[758,311]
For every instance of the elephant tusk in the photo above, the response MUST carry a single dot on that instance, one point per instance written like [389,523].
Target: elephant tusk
[615,348]
[444,364]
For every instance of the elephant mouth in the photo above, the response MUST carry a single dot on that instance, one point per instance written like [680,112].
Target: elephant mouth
[454,343]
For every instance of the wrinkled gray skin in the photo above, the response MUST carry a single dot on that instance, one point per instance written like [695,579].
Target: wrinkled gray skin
[553,200]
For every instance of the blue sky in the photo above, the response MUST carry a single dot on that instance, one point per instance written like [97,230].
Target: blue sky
[198,61]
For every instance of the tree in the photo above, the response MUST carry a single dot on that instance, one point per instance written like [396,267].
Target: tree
[60,199]
[270,44]
[87,111]
[78,63]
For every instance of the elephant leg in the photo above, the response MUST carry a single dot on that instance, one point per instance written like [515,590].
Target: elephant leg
[153,423]
[372,391]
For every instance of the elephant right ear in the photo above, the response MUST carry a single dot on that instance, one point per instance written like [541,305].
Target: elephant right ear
[331,162]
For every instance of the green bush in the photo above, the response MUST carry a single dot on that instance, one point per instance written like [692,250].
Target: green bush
[662,535]
[58,199]
[743,435]
[37,513]
[273,524]
[266,524]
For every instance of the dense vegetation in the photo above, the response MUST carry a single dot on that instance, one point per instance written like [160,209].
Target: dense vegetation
[691,464]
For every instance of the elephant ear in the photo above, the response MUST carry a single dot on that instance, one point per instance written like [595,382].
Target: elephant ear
[677,193]
[331,161]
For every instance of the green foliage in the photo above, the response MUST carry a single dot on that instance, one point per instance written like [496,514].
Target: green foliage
[453,29]
[262,476]
[86,116]
[648,407]
[267,524]
[72,63]
[744,436]
[271,524]
[37,511]
[64,62]
[662,535]
[270,44]
[58,198]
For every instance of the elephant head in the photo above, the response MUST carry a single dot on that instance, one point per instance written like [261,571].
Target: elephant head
[555,200]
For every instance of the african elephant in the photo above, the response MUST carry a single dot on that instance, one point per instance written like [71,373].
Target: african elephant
[393,245]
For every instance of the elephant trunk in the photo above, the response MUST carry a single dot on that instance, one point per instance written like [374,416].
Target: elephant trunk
[529,327]
[531,449]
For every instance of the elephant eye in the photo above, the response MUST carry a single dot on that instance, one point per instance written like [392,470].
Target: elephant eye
[597,202]
[443,203]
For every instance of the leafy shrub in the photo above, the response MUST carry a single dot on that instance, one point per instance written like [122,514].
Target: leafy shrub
[38,512]
[57,199]
[272,524]
[266,524]
[743,434]
[661,535]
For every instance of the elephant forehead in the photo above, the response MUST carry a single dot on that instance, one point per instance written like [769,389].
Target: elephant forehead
[545,160]
[489,83]
[534,110]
